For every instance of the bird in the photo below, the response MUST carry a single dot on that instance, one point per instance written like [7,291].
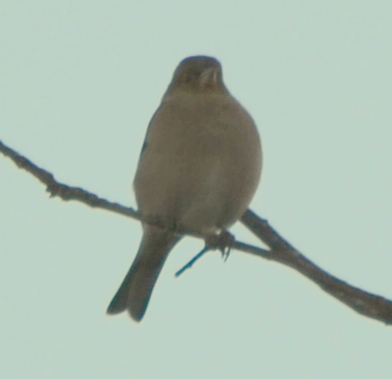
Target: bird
[199,168]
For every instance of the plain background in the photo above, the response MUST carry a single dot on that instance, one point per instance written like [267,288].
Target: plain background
[79,81]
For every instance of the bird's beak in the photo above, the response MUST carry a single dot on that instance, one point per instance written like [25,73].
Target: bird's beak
[209,78]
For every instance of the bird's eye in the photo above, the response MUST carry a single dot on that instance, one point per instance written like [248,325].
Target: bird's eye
[188,77]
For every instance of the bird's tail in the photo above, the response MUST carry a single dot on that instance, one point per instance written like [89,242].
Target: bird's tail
[135,290]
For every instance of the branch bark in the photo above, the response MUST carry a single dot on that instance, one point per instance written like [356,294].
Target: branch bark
[365,303]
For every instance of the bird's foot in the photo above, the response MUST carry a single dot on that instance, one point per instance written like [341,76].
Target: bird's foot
[223,242]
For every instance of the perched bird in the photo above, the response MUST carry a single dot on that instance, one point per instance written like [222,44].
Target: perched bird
[199,168]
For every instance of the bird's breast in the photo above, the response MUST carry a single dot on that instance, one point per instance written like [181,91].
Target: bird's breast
[201,163]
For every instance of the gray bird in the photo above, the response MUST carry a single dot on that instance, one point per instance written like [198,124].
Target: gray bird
[199,168]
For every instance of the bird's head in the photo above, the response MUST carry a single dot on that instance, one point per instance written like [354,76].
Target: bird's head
[198,74]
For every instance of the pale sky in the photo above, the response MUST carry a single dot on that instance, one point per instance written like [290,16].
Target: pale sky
[79,82]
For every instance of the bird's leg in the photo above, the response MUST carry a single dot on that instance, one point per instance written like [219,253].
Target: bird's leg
[223,242]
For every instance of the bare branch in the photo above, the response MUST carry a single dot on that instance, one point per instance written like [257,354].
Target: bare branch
[61,190]
[78,194]
[363,302]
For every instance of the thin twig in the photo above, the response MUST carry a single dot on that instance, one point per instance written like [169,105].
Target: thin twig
[365,303]
[191,262]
